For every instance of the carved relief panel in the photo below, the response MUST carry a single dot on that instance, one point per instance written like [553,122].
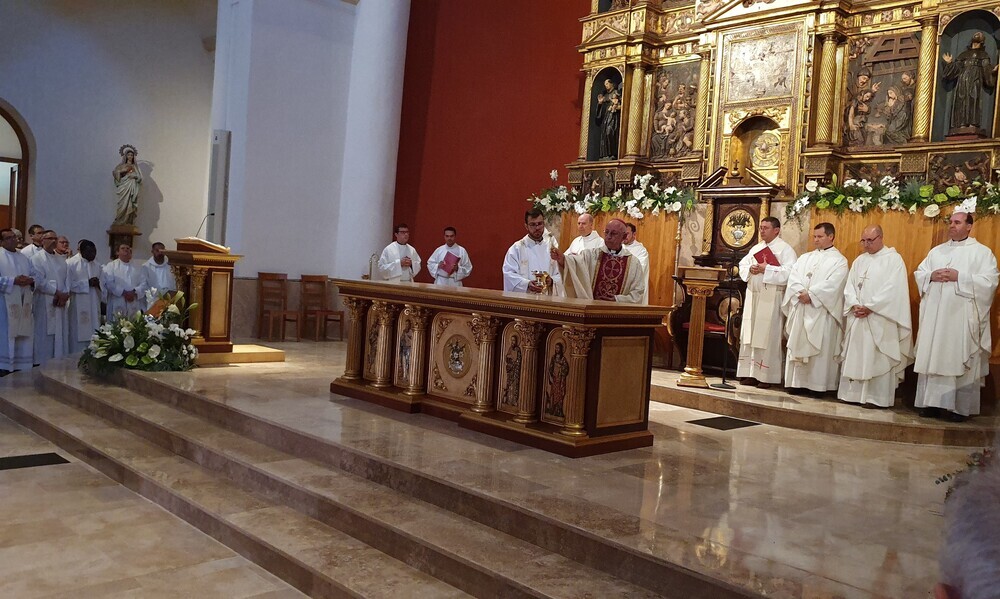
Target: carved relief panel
[511,366]
[881,86]
[453,364]
[556,378]
[675,96]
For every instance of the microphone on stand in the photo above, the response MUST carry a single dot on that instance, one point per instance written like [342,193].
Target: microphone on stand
[203,223]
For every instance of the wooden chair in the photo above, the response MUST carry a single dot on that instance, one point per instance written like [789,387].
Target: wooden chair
[272,305]
[316,306]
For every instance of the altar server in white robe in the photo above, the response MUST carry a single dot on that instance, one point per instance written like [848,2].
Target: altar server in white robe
[607,273]
[158,273]
[588,238]
[531,254]
[124,282]
[436,264]
[399,261]
[814,314]
[637,249]
[957,281]
[84,275]
[761,345]
[51,301]
[878,341]
[16,324]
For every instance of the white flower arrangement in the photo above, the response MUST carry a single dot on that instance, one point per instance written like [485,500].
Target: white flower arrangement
[646,197]
[144,341]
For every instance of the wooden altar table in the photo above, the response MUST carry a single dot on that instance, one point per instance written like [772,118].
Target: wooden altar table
[569,376]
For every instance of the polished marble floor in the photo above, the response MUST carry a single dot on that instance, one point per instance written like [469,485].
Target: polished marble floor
[785,512]
[68,531]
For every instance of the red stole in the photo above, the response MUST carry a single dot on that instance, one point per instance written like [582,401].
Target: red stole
[610,277]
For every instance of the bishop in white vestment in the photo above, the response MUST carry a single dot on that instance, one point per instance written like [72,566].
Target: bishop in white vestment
[16,324]
[588,238]
[399,260]
[436,264]
[531,254]
[957,282]
[761,345]
[814,315]
[637,249]
[878,341]
[50,302]
[125,285]
[84,275]
[607,273]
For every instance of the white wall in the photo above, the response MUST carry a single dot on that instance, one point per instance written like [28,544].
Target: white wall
[91,75]
[308,186]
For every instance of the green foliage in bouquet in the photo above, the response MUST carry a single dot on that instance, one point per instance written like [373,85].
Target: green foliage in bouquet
[153,341]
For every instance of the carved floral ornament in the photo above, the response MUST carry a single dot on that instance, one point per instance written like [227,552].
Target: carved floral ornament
[775,113]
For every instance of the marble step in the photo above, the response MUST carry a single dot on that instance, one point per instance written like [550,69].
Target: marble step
[310,555]
[566,526]
[470,556]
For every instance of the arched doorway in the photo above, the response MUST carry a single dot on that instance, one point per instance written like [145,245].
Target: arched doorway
[14,164]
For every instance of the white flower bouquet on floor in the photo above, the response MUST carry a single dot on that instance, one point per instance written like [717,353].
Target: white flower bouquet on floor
[154,340]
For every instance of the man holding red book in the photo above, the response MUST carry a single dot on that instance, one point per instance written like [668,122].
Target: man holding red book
[765,268]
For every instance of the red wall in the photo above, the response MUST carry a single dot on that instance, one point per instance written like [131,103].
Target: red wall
[491,104]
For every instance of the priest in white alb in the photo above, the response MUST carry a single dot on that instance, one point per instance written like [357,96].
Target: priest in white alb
[158,273]
[607,273]
[450,263]
[50,302]
[814,314]
[84,277]
[530,255]
[16,323]
[588,238]
[125,284]
[399,260]
[878,341]
[957,282]
[637,249]
[765,268]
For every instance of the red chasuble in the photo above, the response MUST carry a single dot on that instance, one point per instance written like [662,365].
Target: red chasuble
[610,277]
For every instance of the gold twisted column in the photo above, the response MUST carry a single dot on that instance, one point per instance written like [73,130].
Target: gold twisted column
[925,75]
[385,318]
[416,378]
[585,117]
[579,339]
[632,142]
[358,309]
[708,231]
[827,90]
[700,292]
[484,330]
[530,332]
[198,297]
[701,110]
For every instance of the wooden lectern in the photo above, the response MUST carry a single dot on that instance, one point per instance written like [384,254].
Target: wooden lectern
[204,272]
[700,283]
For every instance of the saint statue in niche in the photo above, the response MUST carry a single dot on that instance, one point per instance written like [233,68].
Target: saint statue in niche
[609,117]
[973,71]
[128,182]
[512,373]
[558,372]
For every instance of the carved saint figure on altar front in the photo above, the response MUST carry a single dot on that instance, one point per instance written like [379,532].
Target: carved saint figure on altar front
[372,347]
[512,373]
[405,350]
[128,182]
[974,73]
[557,373]
[609,117]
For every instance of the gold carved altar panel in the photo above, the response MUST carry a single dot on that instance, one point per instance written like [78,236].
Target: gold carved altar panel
[626,357]
[512,356]
[371,346]
[556,378]
[453,365]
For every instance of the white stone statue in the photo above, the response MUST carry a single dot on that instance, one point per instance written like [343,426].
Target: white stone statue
[128,183]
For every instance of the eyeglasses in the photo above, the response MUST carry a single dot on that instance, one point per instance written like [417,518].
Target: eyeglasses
[869,241]
[50,239]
